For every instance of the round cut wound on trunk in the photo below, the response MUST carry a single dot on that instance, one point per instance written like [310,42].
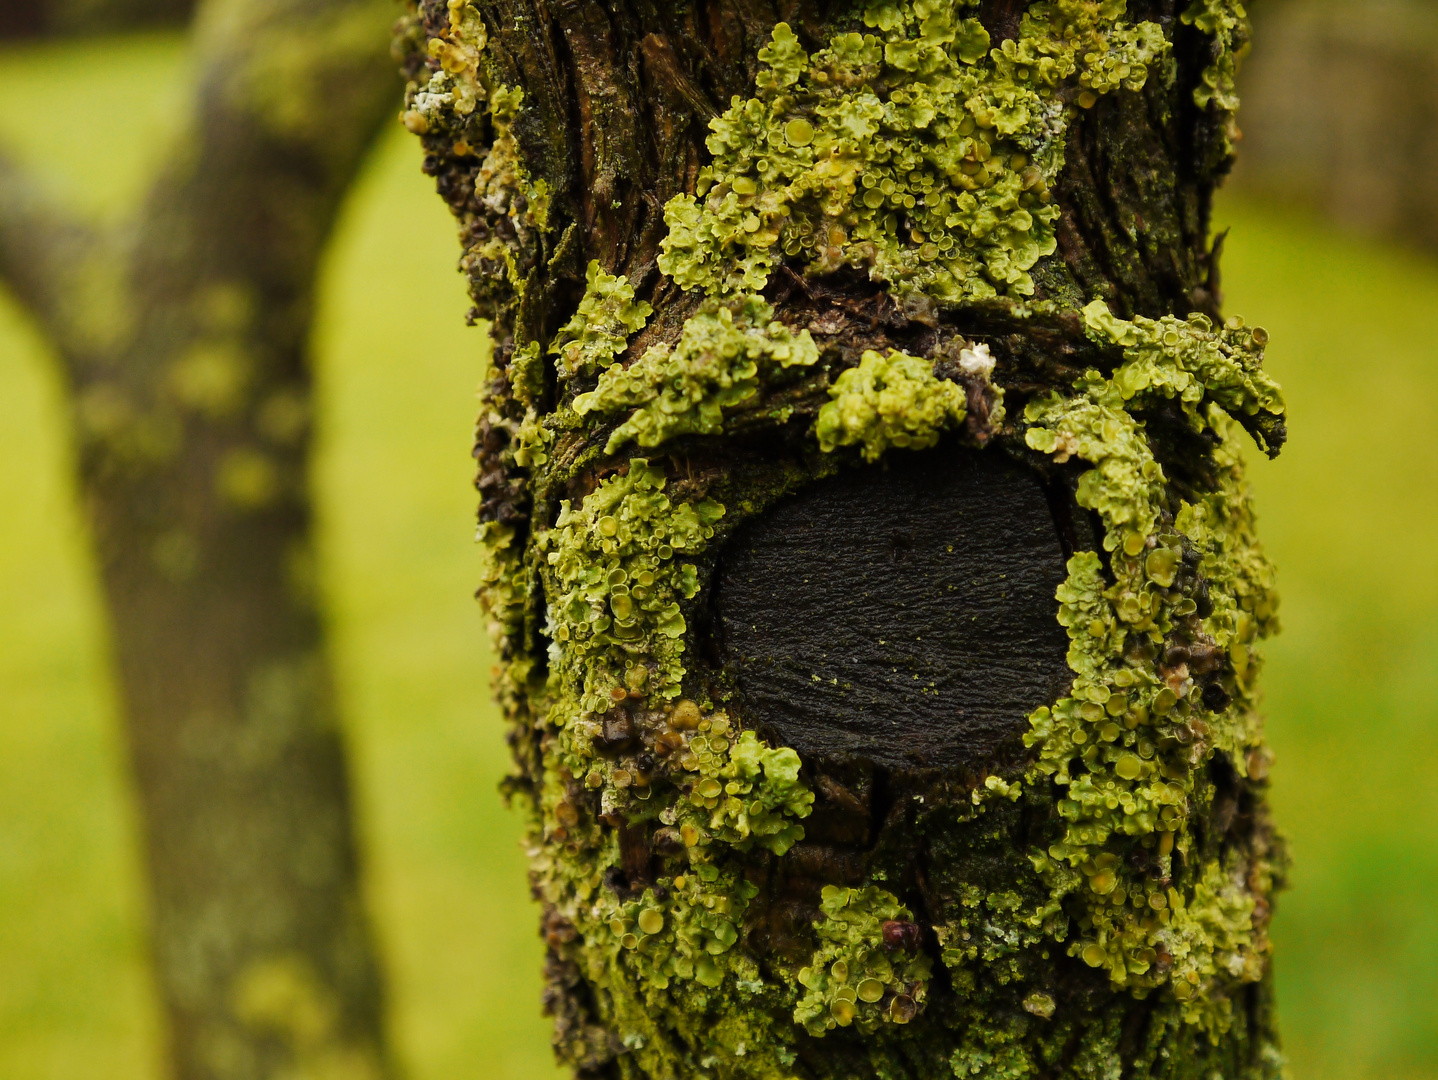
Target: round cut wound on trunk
[903,613]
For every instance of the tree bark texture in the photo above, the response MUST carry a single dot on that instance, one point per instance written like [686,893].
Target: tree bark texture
[868,551]
[185,340]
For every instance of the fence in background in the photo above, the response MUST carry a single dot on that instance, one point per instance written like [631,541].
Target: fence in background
[1341,111]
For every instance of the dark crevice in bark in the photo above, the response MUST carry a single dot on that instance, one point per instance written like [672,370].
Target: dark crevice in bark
[1001,18]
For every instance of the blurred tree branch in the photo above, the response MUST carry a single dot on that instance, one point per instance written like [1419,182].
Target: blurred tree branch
[184,337]
[40,247]
[33,18]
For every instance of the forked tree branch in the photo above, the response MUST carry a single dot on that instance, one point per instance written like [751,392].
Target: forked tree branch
[43,249]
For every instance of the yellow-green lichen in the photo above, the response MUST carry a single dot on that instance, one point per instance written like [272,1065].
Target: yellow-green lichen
[992,929]
[913,152]
[532,441]
[619,565]
[212,377]
[1190,360]
[459,103]
[681,935]
[457,85]
[685,936]
[853,977]
[526,373]
[919,151]
[281,1000]
[893,400]
[618,574]
[741,795]
[503,185]
[247,478]
[671,953]
[1226,21]
[664,963]
[504,586]
[746,793]
[1127,745]
[600,327]
[727,350]
[1126,484]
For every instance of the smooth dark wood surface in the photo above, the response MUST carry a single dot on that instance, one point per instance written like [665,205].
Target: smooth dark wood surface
[902,613]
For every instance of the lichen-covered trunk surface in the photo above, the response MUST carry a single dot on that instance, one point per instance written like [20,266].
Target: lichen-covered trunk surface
[186,339]
[867,546]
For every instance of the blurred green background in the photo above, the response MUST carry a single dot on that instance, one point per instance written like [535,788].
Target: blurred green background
[1350,513]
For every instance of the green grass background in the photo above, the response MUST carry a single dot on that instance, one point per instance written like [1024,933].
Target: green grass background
[1350,513]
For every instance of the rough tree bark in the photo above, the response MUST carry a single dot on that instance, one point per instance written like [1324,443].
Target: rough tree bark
[184,338]
[869,556]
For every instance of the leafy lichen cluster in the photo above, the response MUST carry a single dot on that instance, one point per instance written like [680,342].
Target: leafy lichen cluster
[619,568]
[1130,744]
[889,401]
[855,977]
[616,568]
[458,101]
[726,352]
[914,152]
[912,148]
[601,325]
[1226,22]
[1190,360]
[457,86]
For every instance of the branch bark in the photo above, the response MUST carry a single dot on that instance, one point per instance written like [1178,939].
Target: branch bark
[41,249]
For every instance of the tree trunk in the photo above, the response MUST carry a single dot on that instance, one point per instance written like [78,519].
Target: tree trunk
[186,342]
[868,549]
